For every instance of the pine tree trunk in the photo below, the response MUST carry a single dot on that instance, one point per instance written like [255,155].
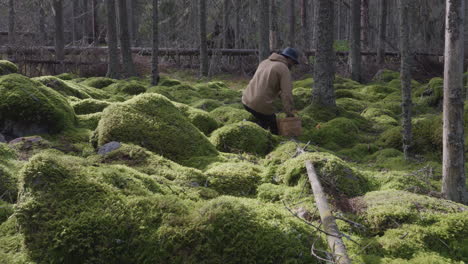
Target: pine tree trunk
[225,23]
[273,25]
[113,52]
[382,32]
[453,170]
[305,24]
[155,55]
[203,40]
[292,23]
[405,51]
[11,23]
[59,39]
[95,22]
[86,19]
[355,41]
[42,27]
[130,20]
[365,23]
[324,68]
[74,21]
[238,23]
[125,48]
[263,27]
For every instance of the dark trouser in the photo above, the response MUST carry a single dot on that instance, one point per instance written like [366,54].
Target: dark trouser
[266,121]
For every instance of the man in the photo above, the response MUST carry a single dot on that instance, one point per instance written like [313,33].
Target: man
[272,79]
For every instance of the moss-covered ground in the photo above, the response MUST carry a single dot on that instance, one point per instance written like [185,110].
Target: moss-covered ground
[119,171]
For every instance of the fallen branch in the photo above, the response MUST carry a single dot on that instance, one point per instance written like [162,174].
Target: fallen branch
[328,220]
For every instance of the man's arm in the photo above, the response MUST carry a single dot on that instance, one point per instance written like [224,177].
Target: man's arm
[286,93]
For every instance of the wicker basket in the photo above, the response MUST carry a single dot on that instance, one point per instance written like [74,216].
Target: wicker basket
[290,126]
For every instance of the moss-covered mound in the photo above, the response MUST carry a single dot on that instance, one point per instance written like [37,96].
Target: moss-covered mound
[218,91]
[229,115]
[335,174]
[89,121]
[98,82]
[89,106]
[243,137]
[126,88]
[240,179]
[28,107]
[152,121]
[67,76]
[60,86]
[182,93]
[386,76]
[302,97]
[199,118]
[206,104]
[334,134]
[7,67]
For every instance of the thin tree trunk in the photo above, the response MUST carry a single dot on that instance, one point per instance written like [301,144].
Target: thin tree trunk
[74,22]
[273,25]
[335,242]
[203,41]
[11,23]
[263,27]
[405,51]
[155,55]
[324,69]
[95,22]
[382,32]
[125,49]
[238,23]
[130,15]
[86,22]
[226,23]
[113,52]
[305,24]
[453,170]
[42,26]
[59,39]
[355,41]
[292,23]
[365,23]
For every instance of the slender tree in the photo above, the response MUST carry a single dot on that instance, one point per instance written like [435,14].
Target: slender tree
[155,52]
[382,31]
[125,48]
[305,23]
[11,23]
[453,170]
[203,40]
[59,35]
[355,41]
[365,23]
[273,25]
[237,30]
[86,32]
[263,28]
[42,24]
[324,68]
[74,21]
[95,22]
[226,7]
[292,23]
[405,52]
[113,52]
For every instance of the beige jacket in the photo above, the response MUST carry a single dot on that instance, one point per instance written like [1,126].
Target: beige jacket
[271,79]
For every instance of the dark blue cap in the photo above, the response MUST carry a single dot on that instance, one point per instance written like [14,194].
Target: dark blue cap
[291,53]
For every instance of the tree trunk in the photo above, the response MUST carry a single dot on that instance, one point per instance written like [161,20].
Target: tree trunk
[382,32]
[74,22]
[273,25]
[324,68]
[238,24]
[113,52]
[11,23]
[59,39]
[203,40]
[42,26]
[453,170]
[125,49]
[355,41]
[95,22]
[155,58]
[86,22]
[225,23]
[405,51]
[335,242]
[130,16]
[263,28]
[365,23]
[292,23]
[305,24]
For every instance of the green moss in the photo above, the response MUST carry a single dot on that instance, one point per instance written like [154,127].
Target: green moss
[6,152]
[89,121]
[126,87]
[182,93]
[302,97]
[199,118]
[358,152]
[412,182]
[320,114]
[305,83]
[12,250]
[229,115]
[98,82]
[89,106]
[243,137]
[377,91]
[67,76]
[431,94]
[350,104]
[206,104]
[345,84]
[28,107]
[239,179]
[386,76]
[6,210]
[60,86]
[218,91]
[339,132]
[168,82]
[336,175]
[152,121]
[7,67]
[8,184]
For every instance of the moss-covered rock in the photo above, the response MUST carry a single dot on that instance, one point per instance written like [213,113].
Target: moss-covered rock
[431,94]
[302,97]
[228,115]
[377,91]
[152,121]
[305,83]
[89,106]
[67,76]
[199,118]
[350,104]
[62,87]
[358,152]
[8,185]
[320,114]
[168,82]
[336,175]
[12,249]
[243,137]
[182,93]
[386,76]
[218,91]
[28,107]
[7,67]
[98,82]
[336,133]
[206,104]
[126,87]
[240,178]
[89,121]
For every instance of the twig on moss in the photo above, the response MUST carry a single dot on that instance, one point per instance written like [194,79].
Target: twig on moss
[312,251]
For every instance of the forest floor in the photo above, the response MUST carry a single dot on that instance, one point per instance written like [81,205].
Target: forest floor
[96,170]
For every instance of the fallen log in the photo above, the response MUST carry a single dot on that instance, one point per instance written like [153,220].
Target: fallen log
[334,240]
